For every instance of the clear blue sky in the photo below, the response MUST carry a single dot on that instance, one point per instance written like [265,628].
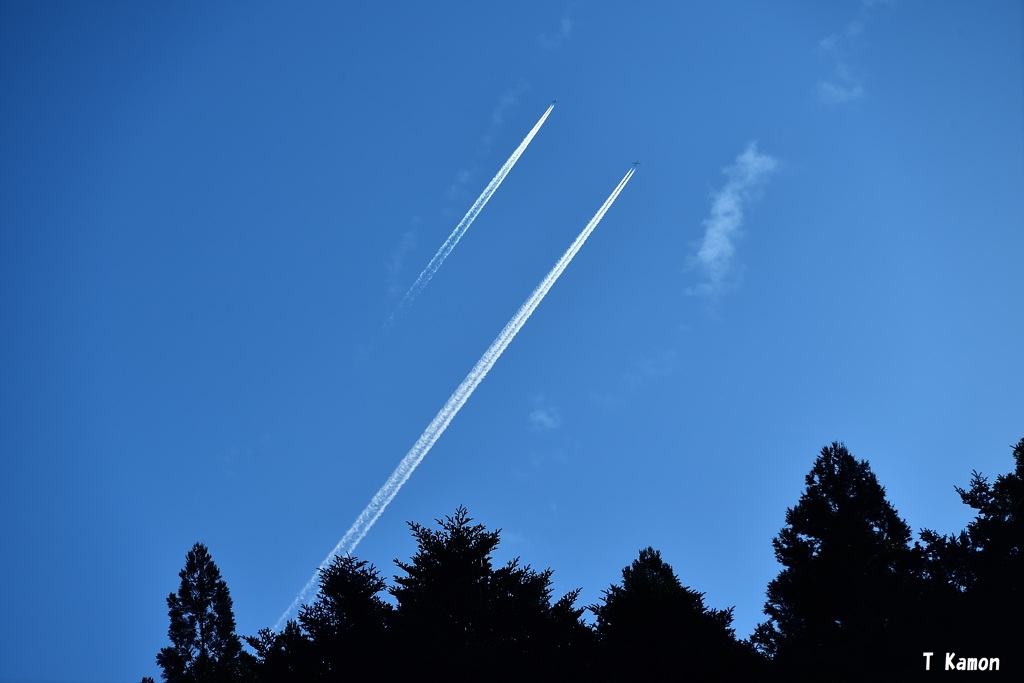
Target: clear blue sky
[209,210]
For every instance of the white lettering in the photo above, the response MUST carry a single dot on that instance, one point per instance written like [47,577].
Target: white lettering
[954,663]
[993,663]
[928,660]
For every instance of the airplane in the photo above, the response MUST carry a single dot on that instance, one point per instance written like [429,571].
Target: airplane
[635,164]
[554,101]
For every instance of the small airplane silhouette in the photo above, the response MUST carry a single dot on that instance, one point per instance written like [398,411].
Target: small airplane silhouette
[635,164]
[554,101]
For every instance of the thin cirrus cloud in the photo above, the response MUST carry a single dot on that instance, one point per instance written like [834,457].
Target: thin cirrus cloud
[544,417]
[564,31]
[715,258]
[838,93]
[396,261]
[845,84]
[509,100]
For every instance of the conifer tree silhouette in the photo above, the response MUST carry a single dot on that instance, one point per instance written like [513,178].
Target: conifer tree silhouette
[651,626]
[460,618]
[204,647]
[975,575]
[848,573]
[348,620]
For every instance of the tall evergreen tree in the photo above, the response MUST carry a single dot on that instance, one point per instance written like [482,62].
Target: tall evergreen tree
[995,536]
[348,620]
[979,573]
[204,647]
[651,626]
[461,618]
[285,656]
[839,606]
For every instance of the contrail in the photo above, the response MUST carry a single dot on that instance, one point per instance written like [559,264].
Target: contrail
[436,428]
[467,220]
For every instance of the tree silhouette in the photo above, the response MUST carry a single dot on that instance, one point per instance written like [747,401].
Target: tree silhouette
[980,571]
[851,599]
[347,622]
[996,535]
[285,656]
[841,601]
[461,619]
[204,647]
[653,626]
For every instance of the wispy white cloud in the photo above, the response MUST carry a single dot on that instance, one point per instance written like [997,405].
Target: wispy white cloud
[396,261]
[457,189]
[544,417]
[839,93]
[845,85]
[715,257]
[506,102]
[509,100]
[643,369]
[552,42]
[650,366]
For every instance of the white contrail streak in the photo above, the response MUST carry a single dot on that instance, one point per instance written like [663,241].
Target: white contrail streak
[436,428]
[467,220]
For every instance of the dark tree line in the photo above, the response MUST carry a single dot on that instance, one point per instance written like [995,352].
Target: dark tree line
[855,600]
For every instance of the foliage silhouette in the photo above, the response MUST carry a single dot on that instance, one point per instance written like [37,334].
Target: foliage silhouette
[838,608]
[347,622]
[653,626]
[978,573]
[204,647]
[852,599]
[462,619]
[285,656]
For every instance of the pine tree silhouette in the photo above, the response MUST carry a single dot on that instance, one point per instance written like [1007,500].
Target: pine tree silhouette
[836,608]
[204,647]
[651,626]
[460,618]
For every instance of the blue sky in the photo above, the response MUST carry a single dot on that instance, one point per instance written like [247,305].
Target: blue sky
[209,211]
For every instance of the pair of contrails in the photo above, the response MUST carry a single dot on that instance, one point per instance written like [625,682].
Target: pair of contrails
[436,428]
